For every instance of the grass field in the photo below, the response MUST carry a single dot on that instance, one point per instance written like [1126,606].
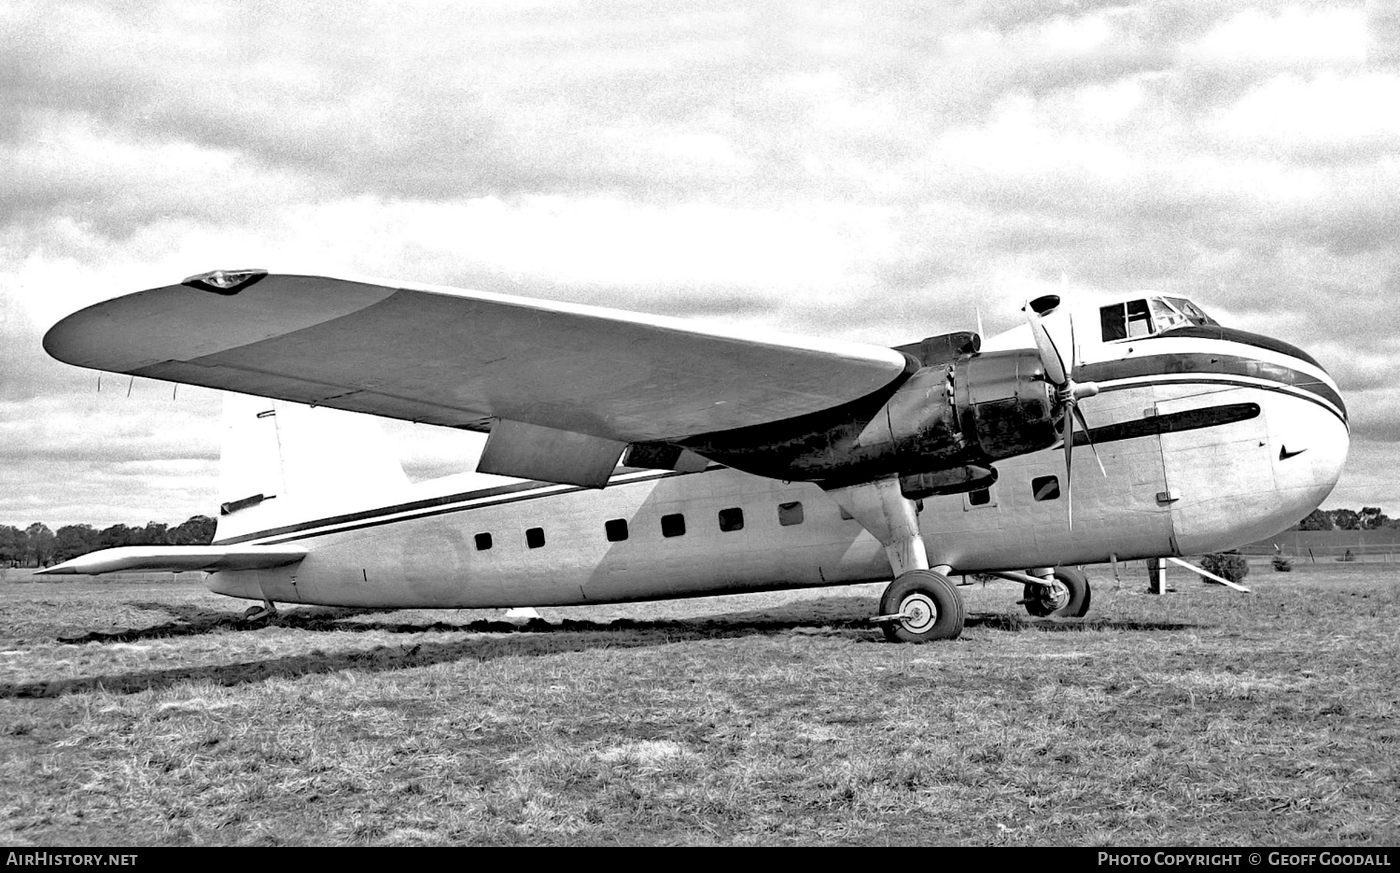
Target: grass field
[141,712]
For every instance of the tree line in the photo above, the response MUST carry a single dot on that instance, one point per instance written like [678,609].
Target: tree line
[37,546]
[1369,518]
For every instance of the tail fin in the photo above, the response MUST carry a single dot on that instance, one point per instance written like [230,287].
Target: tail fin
[285,462]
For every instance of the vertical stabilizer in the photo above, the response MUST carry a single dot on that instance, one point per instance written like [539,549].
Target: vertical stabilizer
[285,462]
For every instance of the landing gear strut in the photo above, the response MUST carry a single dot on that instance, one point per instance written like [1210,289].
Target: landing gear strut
[921,606]
[1066,595]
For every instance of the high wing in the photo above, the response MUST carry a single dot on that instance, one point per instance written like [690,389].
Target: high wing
[177,559]
[564,388]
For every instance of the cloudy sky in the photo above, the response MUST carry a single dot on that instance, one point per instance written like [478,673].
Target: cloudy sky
[862,170]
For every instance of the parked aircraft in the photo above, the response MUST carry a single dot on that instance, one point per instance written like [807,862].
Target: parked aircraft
[635,457]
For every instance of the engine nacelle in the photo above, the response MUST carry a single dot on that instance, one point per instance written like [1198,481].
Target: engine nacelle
[952,419]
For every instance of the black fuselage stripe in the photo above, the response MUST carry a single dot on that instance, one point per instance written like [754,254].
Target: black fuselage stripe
[1172,422]
[1297,392]
[377,516]
[1210,366]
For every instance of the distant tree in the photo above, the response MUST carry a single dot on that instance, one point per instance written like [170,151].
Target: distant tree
[116,535]
[197,530]
[1345,519]
[73,540]
[39,542]
[12,545]
[1371,518]
[1316,520]
[154,534]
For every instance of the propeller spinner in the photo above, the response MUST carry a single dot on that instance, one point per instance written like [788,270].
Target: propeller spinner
[1059,372]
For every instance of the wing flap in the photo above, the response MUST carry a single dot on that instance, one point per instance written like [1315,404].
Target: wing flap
[176,559]
[528,451]
[459,358]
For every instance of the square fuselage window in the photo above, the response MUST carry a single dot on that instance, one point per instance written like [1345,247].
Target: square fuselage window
[789,513]
[616,529]
[1045,488]
[673,525]
[534,537]
[483,542]
[731,519]
[980,497]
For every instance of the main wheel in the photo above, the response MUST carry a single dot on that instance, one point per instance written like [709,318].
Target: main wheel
[1071,602]
[930,606]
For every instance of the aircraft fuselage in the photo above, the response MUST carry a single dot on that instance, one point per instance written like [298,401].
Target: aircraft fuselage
[1207,442]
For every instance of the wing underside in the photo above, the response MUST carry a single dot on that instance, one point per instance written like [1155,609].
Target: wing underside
[577,383]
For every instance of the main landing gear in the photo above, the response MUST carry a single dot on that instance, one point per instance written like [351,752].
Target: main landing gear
[921,606]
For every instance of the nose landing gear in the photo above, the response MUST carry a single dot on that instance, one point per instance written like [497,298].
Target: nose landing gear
[1065,593]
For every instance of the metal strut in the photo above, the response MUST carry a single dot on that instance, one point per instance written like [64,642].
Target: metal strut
[891,518]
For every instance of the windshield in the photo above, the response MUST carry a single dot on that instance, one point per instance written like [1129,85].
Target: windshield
[1190,310]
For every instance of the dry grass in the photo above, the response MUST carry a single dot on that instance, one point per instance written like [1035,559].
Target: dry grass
[140,712]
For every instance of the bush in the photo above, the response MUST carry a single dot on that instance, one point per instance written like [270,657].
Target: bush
[1283,564]
[1226,565]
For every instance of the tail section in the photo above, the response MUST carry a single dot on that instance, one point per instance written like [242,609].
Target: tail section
[285,462]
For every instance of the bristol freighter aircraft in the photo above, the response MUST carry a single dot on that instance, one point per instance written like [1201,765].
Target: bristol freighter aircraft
[636,457]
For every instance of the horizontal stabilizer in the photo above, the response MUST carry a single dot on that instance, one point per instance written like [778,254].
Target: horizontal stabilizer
[176,559]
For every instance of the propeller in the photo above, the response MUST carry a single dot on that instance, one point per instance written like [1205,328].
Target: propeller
[1059,372]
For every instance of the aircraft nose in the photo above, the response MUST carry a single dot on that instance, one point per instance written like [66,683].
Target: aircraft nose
[1313,436]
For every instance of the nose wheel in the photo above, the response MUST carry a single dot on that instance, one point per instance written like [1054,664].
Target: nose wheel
[1067,595]
[921,606]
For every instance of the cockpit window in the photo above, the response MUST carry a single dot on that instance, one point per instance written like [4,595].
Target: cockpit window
[1190,310]
[1164,316]
[1139,318]
[1125,320]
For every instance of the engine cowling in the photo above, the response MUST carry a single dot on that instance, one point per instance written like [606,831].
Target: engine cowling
[977,409]
[949,420]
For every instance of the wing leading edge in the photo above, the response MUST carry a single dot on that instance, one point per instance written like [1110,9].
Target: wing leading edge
[470,359]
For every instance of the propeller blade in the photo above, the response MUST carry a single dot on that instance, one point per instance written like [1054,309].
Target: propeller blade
[1069,468]
[1050,357]
[1084,426]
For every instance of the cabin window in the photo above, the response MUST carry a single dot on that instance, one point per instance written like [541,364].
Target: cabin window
[616,529]
[1046,488]
[483,542]
[534,537]
[789,513]
[980,497]
[731,519]
[673,525]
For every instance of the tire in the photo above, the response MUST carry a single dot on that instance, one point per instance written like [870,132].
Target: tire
[936,607]
[1075,606]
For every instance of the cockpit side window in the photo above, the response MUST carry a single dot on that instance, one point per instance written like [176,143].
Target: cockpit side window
[1115,327]
[1139,319]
